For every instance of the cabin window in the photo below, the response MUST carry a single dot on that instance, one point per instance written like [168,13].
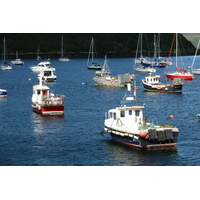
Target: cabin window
[114,116]
[44,92]
[122,113]
[130,112]
[47,73]
[38,92]
[137,113]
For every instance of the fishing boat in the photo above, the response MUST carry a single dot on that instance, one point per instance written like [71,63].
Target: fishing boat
[3,93]
[47,75]
[92,61]
[195,70]
[127,125]
[41,66]
[17,61]
[180,72]
[152,83]
[6,65]
[62,58]
[103,78]
[46,103]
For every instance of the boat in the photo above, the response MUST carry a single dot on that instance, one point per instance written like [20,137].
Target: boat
[62,58]
[41,66]
[127,125]
[6,65]
[180,72]
[144,70]
[47,75]
[46,103]
[157,61]
[17,61]
[194,70]
[92,63]
[3,93]
[103,78]
[152,83]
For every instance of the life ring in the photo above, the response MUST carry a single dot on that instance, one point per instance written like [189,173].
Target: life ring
[48,102]
[59,101]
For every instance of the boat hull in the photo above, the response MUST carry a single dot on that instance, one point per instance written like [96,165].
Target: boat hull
[185,77]
[94,67]
[48,110]
[196,71]
[130,140]
[3,93]
[162,88]
[64,59]
[144,70]
[108,83]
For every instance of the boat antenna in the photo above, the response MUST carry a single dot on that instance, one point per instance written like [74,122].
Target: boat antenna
[130,94]
[195,54]
[40,80]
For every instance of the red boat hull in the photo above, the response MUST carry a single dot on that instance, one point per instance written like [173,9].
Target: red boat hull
[49,110]
[183,76]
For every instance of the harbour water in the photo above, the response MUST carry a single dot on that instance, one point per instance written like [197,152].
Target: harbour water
[29,139]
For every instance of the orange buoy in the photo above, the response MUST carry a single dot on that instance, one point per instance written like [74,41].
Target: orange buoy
[136,88]
[143,133]
[171,116]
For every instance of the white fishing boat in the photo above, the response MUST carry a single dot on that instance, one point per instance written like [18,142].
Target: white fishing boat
[6,65]
[17,61]
[62,58]
[47,75]
[195,70]
[127,125]
[41,66]
[46,103]
[92,61]
[3,93]
[103,78]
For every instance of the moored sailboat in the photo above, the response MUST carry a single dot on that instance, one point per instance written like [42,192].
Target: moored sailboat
[180,72]
[92,62]
[62,58]
[6,65]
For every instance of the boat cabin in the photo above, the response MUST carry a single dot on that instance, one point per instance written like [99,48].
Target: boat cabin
[102,73]
[153,79]
[129,117]
[40,92]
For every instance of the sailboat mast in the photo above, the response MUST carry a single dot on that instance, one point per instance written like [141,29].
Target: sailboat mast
[92,48]
[176,49]
[4,49]
[62,47]
[141,47]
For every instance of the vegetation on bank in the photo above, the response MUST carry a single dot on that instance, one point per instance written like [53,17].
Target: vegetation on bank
[120,43]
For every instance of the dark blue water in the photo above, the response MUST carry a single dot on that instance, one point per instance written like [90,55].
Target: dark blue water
[29,139]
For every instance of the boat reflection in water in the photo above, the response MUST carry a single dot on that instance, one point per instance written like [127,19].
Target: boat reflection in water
[129,156]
